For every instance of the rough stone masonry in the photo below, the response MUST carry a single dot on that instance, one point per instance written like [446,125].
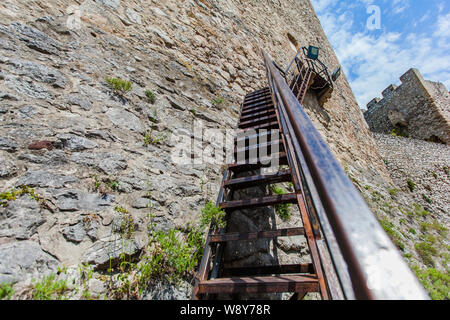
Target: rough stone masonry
[417,108]
[84,149]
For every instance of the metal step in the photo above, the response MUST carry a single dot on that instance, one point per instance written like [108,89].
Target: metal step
[255,96]
[259,202]
[267,134]
[258,164]
[258,114]
[275,284]
[268,126]
[255,106]
[249,113]
[241,183]
[291,232]
[268,270]
[263,108]
[258,95]
[256,149]
[257,92]
[257,121]
[267,98]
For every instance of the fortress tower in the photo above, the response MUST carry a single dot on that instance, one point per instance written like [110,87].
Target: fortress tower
[418,108]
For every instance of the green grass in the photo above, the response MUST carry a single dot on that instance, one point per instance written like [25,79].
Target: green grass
[212,213]
[411,185]
[283,210]
[112,184]
[49,289]
[119,86]
[86,272]
[420,211]
[150,138]
[217,101]
[127,226]
[177,256]
[173,254]
[97,183]
[376,196]
[439,228]
[6,291]
[392,233]
[398,133]
[127,223]
[435,282]
[154,116]
[393,192]
[150,96]
[442,230]
[426,250]
[427,200]
[107,184]
[120,209]
[12,195]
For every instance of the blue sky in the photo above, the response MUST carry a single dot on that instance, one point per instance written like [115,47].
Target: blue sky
[413,34]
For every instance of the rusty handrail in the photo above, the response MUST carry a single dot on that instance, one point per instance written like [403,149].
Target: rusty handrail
[375,267]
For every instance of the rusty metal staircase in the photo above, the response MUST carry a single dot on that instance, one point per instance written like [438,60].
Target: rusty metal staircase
[305,82]
[305,74]
[351,255]
[258,113]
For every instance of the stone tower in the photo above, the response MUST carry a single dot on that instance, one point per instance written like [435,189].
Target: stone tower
[417,108]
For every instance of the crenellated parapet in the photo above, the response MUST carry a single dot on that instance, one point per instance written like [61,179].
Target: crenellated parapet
[417,108]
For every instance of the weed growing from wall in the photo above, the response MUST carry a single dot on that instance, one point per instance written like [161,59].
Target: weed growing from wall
[150,96]
[12,195]
[119,86]
[436,282]
[283,210]
[151,138]
[6,291]
[49,289]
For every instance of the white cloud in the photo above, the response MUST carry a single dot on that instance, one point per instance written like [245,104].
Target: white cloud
[443,26]
[399,6]
[373,60]
[425,17]
[320,5]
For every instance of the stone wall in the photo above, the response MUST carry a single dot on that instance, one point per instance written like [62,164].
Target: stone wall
[425,165]
[417,108]
[89,153]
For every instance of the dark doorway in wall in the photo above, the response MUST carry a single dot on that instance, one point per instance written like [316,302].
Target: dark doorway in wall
[435,139]
[400,130]
[293,42]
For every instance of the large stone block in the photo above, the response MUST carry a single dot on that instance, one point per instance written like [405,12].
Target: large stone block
[36,39]
[21,218]
[24,260]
